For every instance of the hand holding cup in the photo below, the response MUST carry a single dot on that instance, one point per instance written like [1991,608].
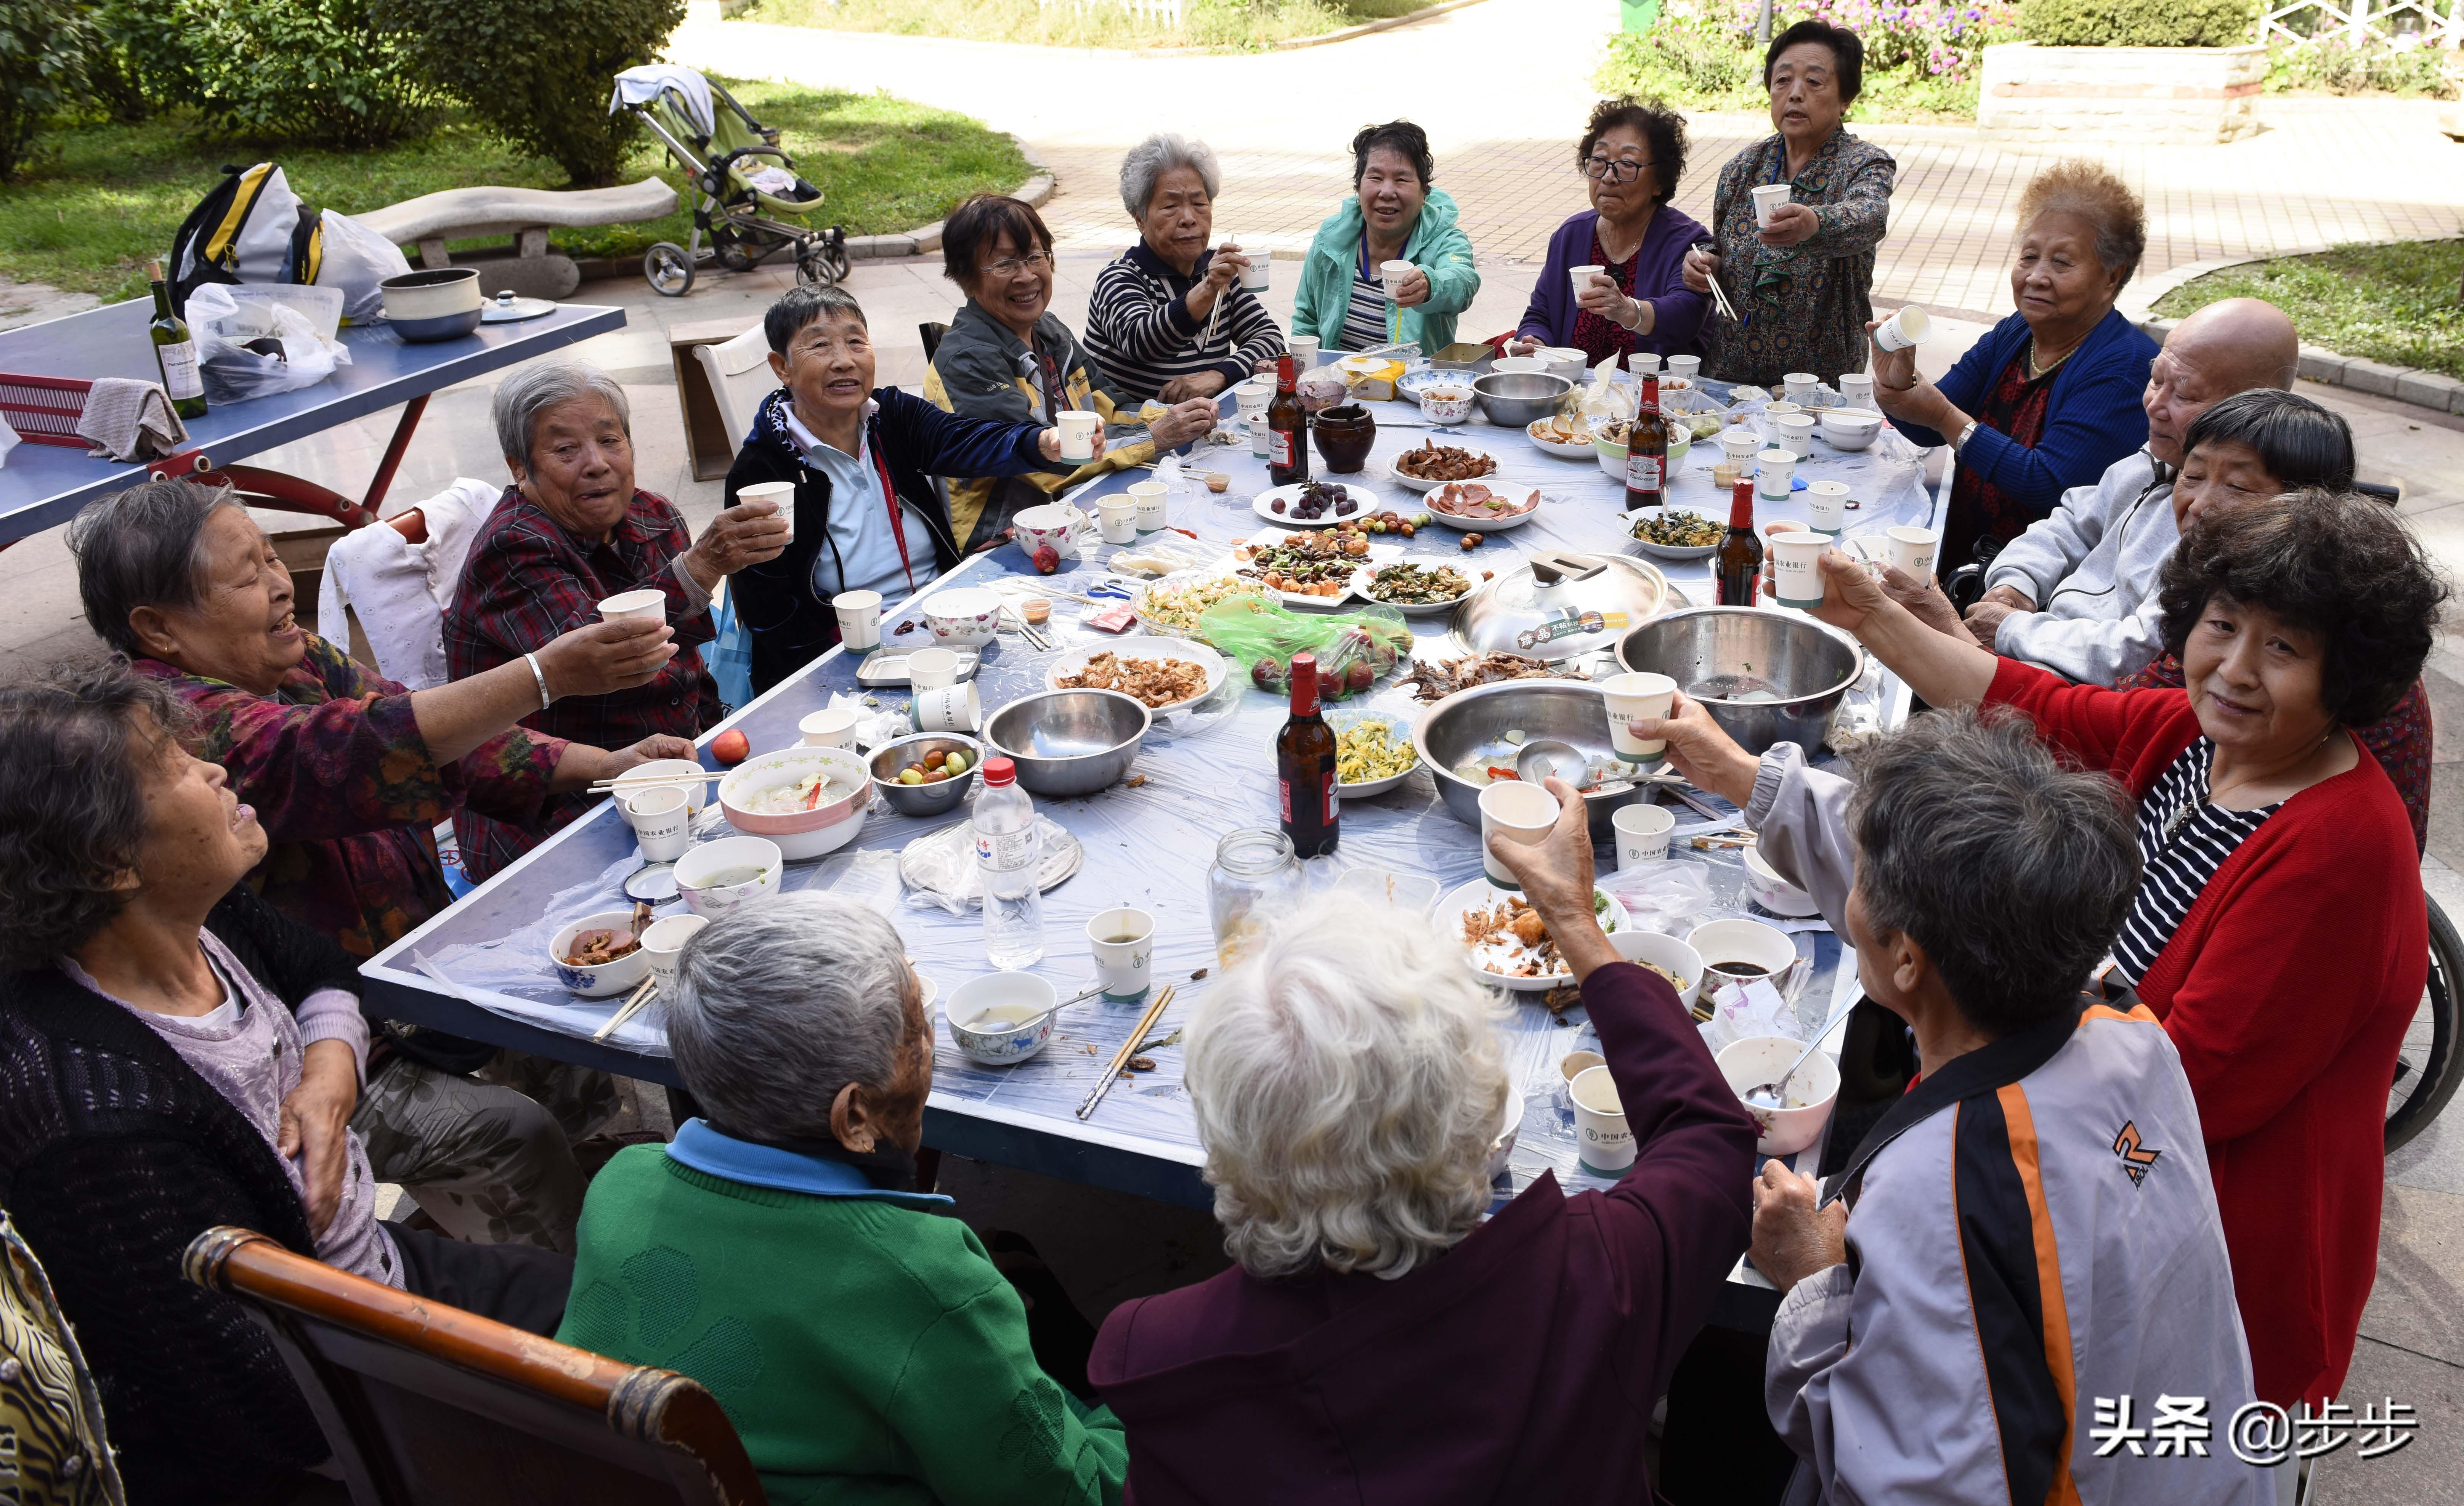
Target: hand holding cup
[600,657]
[1700,750]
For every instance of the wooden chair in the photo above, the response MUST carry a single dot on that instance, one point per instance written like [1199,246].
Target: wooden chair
[425,1403]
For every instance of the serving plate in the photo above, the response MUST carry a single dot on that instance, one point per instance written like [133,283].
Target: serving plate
[1379,554]
[1416,484]
[1398,732]
[1149,648]
[1448,918]
[1668,550]
[1178,579]
[1360,588]
[1263,505]
[1577,450]
[1491,525]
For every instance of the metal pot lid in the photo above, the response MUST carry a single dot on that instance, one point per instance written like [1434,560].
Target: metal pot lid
[507,308]
[1561,605]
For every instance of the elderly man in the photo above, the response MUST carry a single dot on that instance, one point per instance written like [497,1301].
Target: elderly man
[2076,592]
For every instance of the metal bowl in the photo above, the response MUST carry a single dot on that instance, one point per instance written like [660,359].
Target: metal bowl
[1569,710]
[924,799]
[1069,742]
[1717,654]
[1512,399]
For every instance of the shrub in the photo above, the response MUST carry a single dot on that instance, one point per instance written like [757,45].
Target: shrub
[538,71]
[2375,67]
[1922,57]
[43,52]
[2139,23]
[323,71]
[139,63]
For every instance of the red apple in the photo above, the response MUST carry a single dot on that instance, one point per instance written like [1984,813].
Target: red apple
[731,747]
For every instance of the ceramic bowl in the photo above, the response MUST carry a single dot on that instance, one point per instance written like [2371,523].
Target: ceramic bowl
[427,306]
[1849,428]
[1757,1059]
[798,833]
[601,979]
[1774,893]
[1512,363]
[1048,525]
[965,617]
[1344,434]
[1635,944]
[1510,1128]
[938,798]
[695,870]
[1450,404]
[1613,455]
[1000,1045]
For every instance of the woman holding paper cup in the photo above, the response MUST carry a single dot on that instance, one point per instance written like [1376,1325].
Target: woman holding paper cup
[1614,279]
[1390,265]
[1171,318]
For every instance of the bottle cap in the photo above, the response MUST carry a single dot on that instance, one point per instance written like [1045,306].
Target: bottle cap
[154,268]
[998,772]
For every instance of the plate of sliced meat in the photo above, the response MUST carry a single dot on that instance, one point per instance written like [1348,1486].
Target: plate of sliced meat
[1480,506]
[1434,465]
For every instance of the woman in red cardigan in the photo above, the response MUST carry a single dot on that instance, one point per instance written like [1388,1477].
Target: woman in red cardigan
[2279,931]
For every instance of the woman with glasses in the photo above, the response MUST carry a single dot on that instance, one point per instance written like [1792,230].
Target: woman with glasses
[1630,155]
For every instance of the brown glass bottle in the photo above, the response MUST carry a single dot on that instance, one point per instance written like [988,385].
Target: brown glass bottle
[1647,450]
[1305,766]
[1740,552]
[1286,431]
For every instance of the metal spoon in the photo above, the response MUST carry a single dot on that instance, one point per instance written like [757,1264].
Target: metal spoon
[1545,757]
[1774,1095]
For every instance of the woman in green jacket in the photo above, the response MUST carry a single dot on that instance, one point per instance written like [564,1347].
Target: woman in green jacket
[1393,215]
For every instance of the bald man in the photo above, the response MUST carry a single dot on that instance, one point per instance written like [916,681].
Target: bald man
[2093,563]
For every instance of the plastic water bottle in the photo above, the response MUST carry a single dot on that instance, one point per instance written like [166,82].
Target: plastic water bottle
[1008,853]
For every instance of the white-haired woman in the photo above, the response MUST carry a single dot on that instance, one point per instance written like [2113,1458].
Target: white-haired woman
[1379,1342]
[1170,318]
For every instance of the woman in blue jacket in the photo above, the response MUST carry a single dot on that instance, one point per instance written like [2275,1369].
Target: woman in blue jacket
[2048,397]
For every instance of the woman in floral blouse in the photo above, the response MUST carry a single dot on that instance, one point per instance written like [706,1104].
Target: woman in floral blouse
[1800,286]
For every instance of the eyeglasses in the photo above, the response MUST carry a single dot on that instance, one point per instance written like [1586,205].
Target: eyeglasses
[1011,266]
[1600,167]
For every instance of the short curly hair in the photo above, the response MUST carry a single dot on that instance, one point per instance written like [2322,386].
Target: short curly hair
[2091,191]
[77,746]
[1661,128]
[2336,563]
[1401,137]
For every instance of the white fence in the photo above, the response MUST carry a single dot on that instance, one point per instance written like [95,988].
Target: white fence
[1168,12]
[2400,23]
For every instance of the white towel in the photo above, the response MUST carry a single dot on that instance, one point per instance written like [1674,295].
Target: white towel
[401,589]
[130,420]
[644,84]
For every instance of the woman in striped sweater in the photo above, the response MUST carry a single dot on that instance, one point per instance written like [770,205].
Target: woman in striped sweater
[1170,318]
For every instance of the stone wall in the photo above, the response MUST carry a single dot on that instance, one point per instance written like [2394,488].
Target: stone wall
[2134,95]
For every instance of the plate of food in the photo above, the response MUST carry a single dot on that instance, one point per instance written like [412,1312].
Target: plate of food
[1313,504]
[1413,587]
[1164,673]
[1478,506]
[1173,605]
[1568,436]
[1674,532]
[1373,753]
[1434,465]
[1511,946]
[1311,569]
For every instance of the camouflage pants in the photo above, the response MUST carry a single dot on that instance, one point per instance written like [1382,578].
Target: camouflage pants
[490,1156]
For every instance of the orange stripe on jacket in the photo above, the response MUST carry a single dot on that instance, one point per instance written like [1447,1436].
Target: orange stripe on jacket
[2021,1127]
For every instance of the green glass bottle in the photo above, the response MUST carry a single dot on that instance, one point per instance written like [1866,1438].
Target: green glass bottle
[175,353]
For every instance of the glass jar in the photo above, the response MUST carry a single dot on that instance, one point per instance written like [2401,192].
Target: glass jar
[1254,872]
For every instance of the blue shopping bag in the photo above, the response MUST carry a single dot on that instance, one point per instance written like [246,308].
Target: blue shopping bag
[729,656]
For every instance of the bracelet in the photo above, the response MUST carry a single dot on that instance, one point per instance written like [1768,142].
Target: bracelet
[1961,443]
[540,675]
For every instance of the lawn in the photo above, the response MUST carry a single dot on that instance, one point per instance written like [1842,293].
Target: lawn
[2397,304]
[87,218]
[1242,24]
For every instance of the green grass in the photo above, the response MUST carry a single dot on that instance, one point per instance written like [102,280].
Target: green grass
[107,197]
[2397,304]
[1244,24]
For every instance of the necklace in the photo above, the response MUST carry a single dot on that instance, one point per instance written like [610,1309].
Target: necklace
[2037,368]
[2190,807]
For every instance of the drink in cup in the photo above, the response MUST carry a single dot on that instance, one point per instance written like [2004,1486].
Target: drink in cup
[1303,349]
[1639,696]
[1581,278]
[1766,199]
[1913,549]
[859,620]
[1774,474]
[779,494]
[1682,368]
[1123,941]
[830,727]
[660,823]
[1392,273]
[1518,812]
[1796,567]
[1147,497]
[1604,1141]
[1254,275]
[1856,388]
[644,606]
[1117,517]
[932,668]
[1078,434]
[663,942]
[1799,386]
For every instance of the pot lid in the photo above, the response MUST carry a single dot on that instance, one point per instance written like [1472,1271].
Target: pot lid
[1561,605]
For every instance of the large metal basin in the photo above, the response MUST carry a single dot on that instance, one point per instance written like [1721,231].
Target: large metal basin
[1515,399]
[1721,655]
[1069,742]
[1569,710]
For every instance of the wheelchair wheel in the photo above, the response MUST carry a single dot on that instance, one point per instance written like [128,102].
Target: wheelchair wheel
[2430,1065]
[668,269]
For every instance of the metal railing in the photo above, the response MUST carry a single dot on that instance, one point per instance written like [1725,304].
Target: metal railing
[2357,23]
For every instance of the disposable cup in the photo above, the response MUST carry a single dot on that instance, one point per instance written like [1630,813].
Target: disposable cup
[1768,420]
[1582,276]
[1303,349]
[932,668]
[663,942]
[1258,433]
[1641,834]
[1148,499]
[1687,367]
[1604,1141]
[1826,506]
[1768,198]
[1643,363]
[1741,445]
[1253,395]
[1914,550]
[660,823]
[1800,386]
[951,708]
[690,777]
[830,727]
[779,494]
[1117,517]
[1575,1063]
[1910,326]
[646,606]
[1078,434]
[859,618]
[1857,387]
[1773,471]
[1392,273]
[1123,941]
[1766,950]
[1519,812]
[1795,431]
[1634,697]
[1253,276]
[1796,568]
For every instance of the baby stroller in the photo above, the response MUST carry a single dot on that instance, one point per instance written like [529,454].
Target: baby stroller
[746,195]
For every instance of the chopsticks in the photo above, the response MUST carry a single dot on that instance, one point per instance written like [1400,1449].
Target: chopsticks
[654,781]
[642,997]
[1129,1048]
[1025,628]
[1719,295]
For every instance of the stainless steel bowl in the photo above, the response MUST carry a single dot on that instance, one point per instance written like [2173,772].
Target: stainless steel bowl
[1718,655]
[1568,710]
[1515,398]
[1069,742]
[924,799]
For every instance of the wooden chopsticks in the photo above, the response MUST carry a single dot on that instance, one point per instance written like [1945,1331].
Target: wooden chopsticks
[641,998]
[1129,1048]
[654,781]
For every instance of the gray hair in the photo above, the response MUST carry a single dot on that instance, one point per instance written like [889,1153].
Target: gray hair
[2089,190]
[1348,1077]
[2013,872]
[800,306]
[1158,154]
[526,397]
[779,1007]
[143,547]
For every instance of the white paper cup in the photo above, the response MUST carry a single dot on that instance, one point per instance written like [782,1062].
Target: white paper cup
[1767,421]
[1634,697]
[779,494]
[1800,386]
[1123,941]
[1768,198]
[1605,1141]
[1581,278]
[859,618]
[1519,812]
[1147,497]
[1910,326]
[690,777]
[1641,834]
[1740,444]
[830,727]
[1303,349]
[1255,275]
[1642,363]
[1857,389]
[1796,434]
[951,708]
[1078,434]
[1796,568]
[1773,470]
[1826,506]
[660,821]
[1117,517]
[1258,436]
[1253,395]
[932,668]
[1689,367]
[663,942]
[1392,273]
[1914,550]
[646,606]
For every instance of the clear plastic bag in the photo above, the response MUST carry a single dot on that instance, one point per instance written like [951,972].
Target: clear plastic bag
[1666,897]
[256,348]
[1262,636]
[357,261]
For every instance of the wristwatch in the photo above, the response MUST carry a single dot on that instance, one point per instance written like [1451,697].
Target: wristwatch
[1961,443]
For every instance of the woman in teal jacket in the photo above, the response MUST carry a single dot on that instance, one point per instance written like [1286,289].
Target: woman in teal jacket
[1393,215]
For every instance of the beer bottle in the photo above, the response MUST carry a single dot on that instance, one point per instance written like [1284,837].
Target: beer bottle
[1305,767]
[1287,429]
[1740,552]
[1647,450]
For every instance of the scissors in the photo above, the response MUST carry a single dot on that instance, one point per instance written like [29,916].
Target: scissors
[1111,590]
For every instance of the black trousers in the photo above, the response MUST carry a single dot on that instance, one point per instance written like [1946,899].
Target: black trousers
[520,1285]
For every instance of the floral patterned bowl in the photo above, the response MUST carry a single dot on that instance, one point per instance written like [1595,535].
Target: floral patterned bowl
[967,617]
[597,980]
[1007,1041]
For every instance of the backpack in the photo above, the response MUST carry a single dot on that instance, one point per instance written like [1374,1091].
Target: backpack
[252,227]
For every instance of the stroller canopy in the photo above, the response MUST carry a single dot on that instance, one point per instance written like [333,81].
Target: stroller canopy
[702,125]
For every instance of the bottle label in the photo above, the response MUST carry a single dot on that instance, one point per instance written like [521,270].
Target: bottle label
[1333,802]
[1005,852]
[1643,473]
[1279,448]
[180,377]
[1283,790]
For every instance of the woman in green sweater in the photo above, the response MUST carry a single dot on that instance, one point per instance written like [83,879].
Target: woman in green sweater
[776,1251]
[1393,215]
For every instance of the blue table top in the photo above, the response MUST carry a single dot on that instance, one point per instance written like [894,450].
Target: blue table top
[42,486]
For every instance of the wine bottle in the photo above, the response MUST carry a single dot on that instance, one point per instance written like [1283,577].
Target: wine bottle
[1740,552]
[1305,767]
[1287,429]
[1647,450]
[175,353]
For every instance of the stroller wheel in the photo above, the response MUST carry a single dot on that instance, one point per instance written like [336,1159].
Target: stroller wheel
[822,260]
[668,269]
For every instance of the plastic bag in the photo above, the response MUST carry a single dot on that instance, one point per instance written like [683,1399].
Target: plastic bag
[1666,897]
[255,349]
[357,261]
[1262,636]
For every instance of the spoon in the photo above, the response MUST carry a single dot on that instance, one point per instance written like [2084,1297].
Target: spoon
[1545,757]
[1774,1095]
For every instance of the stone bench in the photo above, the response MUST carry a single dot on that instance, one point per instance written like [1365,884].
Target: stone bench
[527,267]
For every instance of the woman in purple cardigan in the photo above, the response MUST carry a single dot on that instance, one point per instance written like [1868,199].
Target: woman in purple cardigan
[1378,1340]
[1632,156]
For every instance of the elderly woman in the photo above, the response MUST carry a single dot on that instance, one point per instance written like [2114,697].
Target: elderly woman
[1799,284]
[1380,1341]
[349,774]
[177,1057]
[1979,882]
[1170,318]
[2297,619]
[862,459]
[1630,155]
[862,1342]
[1394,214]
[2048,398]
[570,532]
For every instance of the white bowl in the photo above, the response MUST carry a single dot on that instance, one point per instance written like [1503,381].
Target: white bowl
[1448,403]
[1566,362]
[966,617]
[1774,893]
[799,835]
[1509,1127]
[690,777]
[1521,364]
[1000,1045]
[597,980]
[1635,944]
[1849,428]
[1768,946]
[695,869]
[1757,1059]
